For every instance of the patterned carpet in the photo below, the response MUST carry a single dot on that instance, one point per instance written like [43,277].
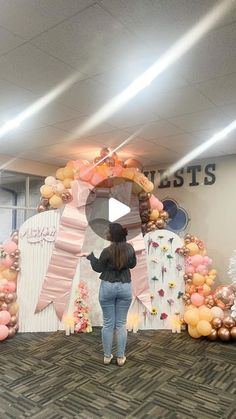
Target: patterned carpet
[51,376]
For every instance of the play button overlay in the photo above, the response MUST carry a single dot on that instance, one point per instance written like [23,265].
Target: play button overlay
[116,210]
[114,202]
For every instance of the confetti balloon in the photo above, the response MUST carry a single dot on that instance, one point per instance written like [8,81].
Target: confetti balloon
[224,297]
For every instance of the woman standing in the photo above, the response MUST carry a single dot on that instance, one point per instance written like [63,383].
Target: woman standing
[115,293]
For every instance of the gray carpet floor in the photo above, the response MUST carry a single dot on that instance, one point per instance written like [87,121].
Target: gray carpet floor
[51,376]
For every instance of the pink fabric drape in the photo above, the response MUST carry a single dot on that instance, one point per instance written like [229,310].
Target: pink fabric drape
[67,247]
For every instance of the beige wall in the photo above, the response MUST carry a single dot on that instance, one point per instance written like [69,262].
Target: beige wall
[26,166]
[212,209]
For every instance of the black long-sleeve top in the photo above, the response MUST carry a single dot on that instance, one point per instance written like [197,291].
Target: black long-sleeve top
[103,264]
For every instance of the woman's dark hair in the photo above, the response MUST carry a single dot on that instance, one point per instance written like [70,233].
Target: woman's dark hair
[118,248]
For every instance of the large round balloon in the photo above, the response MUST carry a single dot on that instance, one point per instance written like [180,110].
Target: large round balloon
[224,296]
[134,163]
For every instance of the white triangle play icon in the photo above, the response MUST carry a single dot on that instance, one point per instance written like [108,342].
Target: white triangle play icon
[117,210]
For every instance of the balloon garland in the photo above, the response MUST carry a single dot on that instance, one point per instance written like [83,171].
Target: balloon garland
[9,268]
[207,312]
[56,190]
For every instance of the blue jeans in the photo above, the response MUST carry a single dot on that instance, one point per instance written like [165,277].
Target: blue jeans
[115,299]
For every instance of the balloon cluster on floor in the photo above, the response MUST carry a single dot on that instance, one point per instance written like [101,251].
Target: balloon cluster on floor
[56,190]
[9,268]
[207,312]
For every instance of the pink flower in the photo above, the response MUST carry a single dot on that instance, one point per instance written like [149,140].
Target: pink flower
[161,292]
[163,316]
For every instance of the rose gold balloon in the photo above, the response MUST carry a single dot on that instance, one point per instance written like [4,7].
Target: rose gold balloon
[144,196]
[97,160]
[144,205]
[190,276]
[15,264]
[224,296]
[213,335]
[104,152]
[41,208]
[134,163]
[187,236]
[4,306]
[187,241]
[44,201]
[233,333]
[110,162]
[13,320]
[10,298]
[228,321]
[11,332]
[185,277]
[160,223]
[164,215]
[224,334]
[189,281]
[2,296]
[216,323]
[66,197]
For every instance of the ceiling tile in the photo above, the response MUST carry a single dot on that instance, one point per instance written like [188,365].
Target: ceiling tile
[152,21]
[91,41]
[221,90]
[212,57]
[133,113]
[110,139]
[30,17]
[179,102]
[74,125]
[230,110]
[87,96]
[32,69]
[120,77]
[13,99]
[19,142]
[156,129]
[210,119]
[8,41]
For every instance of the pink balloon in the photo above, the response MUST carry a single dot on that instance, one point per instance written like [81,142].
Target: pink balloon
[5,317]
[7,262]
[117,170]
[196,260]
[11,286]
[9,246]
[201,269]
[189,269]
[207,260]
[96,179]
[160,206]
[3,332]
[86,173]
[196,299]
[154,202]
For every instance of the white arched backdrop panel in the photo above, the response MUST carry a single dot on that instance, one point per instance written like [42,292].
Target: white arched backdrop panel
[36,240]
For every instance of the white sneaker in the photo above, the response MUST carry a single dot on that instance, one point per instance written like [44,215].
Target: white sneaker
[121,361]
[107,360]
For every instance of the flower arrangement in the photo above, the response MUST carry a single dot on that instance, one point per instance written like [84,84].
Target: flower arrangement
[81,313]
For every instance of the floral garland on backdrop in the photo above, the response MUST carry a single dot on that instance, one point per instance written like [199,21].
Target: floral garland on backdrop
[9,268]
[208,313]
[82,321]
